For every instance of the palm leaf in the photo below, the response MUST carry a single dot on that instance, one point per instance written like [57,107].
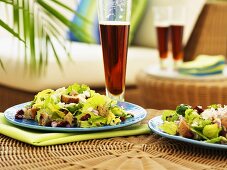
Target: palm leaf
[55,53]
[7,1]
[32,42]
[1,64]
[73,11]
[10,30]
[78,31]
[16,19]
[55,33]
[31,25]
[24,16]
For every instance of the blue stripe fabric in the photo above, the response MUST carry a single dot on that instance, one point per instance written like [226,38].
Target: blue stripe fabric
[203,65]
[87,9]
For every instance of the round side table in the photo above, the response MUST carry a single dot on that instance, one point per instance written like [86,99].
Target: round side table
[160,91]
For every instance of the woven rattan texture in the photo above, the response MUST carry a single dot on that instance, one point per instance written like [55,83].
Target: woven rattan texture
[126,153]
[210,34]
[167,93]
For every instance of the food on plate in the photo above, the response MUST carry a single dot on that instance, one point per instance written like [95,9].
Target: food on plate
[74,106]
[205,124]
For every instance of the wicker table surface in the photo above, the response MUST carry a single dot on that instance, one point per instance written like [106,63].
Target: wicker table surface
[161,92]
[134,152]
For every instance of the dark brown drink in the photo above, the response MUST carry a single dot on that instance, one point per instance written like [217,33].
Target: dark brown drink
[177,37]
[162,39]
[114,39]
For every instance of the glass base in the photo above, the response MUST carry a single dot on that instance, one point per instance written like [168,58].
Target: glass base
[177,63]
[120,97]
[163,63]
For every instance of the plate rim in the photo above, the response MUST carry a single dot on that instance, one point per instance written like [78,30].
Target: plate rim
[72,129]
[153,123]
[154,71]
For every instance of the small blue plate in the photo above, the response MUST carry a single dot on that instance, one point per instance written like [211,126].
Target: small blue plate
[138,112]
[155,122]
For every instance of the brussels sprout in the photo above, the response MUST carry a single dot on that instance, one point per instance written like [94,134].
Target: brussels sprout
[211,131]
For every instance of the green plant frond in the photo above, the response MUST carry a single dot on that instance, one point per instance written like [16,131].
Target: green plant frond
[51,29]
[61,42]
[7,1]
[40,43]
[73,11]
[46,49]
[24,18]
[37,24]
[32,42]
[55,53]
[78,31]
[10,30]
[16,16]
[2,65]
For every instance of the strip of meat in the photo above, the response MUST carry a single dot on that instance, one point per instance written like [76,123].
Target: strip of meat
[30,113]
[44,119]
[69,99]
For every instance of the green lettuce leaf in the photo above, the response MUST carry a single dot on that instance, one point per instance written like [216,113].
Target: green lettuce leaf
[199,134]
[77,88]
[220,139]
[97,100]
[200,123]
[169,127]
[118,111]
[74,108]
[41,97]
[191,116]
[98,121]
[170,116]
[214,106]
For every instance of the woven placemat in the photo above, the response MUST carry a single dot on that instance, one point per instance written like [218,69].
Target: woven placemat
[135,152]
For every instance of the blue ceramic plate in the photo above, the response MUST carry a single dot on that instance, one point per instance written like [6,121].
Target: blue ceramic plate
[138,112]
[155,122]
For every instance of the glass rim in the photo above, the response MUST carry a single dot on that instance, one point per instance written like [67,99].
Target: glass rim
[120,14]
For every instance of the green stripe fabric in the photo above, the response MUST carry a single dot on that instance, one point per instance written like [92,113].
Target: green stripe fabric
[39,138]
[203,65]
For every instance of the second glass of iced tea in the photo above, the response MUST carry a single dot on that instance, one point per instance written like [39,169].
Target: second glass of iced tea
[178,17]
[162,16]
[114,24]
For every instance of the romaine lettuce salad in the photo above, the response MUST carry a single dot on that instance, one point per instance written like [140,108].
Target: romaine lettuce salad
[209,124]
[75,106]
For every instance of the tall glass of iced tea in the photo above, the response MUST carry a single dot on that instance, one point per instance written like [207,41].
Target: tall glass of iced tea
[114,23]
[162,17]
[178,18]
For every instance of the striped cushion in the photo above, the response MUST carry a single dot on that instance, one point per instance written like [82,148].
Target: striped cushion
[88,9]
[203,65]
